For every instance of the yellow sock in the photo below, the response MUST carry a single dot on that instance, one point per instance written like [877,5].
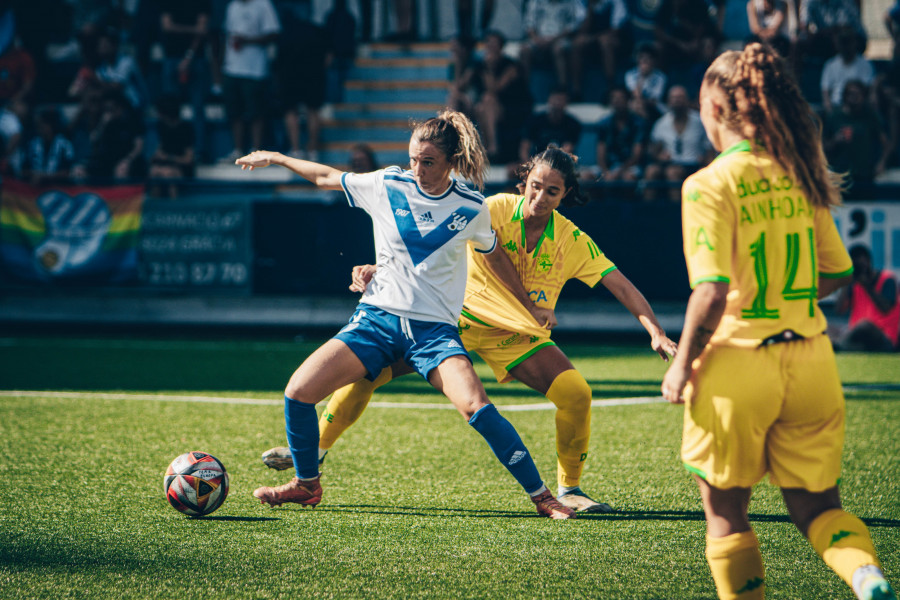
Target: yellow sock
[346,406]
[737,566]
[572,396]
[843,542]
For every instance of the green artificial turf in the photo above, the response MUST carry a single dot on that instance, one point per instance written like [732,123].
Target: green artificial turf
[415,504]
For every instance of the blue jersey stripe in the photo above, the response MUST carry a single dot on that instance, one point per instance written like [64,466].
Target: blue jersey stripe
[347,190]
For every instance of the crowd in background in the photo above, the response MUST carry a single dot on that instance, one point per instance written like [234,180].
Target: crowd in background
[123,89]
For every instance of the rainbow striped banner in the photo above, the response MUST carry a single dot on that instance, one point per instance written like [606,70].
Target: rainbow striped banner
[73,234]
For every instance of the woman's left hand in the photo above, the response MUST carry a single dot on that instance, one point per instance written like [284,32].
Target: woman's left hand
[663,346]
[256,160]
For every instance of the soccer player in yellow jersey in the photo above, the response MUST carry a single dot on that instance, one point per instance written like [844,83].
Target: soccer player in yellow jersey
[547,250]
[755,371]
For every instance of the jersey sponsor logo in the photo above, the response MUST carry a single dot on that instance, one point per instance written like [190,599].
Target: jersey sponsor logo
[511,246]
[699,237]
[537,296]
[576,233]
[453,344]
[840,535]
[354,321]
[419,246]
[533,339]
[460,327]
[514,338]
[516,457]
[763,186]
[425,218]
[692,195]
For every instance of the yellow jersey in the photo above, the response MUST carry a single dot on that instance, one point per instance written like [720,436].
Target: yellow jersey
[747,223]
[563,252]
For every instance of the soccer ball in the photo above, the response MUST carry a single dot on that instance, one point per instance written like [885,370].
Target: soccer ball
[196,483]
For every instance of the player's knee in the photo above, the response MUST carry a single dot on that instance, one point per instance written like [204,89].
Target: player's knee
[571,392]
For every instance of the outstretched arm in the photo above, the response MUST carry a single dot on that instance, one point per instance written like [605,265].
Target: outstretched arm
[323,176]
[632,299]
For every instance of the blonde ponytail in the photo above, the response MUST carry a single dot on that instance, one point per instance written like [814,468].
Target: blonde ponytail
[455,135]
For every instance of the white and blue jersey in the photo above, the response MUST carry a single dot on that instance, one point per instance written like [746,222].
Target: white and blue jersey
[420,242]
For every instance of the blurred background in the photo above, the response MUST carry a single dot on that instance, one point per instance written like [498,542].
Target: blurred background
[120,204]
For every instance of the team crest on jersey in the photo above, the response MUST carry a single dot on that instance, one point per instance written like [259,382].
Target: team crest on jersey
[458,223]
[544,262]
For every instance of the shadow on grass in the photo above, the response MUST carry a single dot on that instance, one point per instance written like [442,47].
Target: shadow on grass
[227,518]
[616,515]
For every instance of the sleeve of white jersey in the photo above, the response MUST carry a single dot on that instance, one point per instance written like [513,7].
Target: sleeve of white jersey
[483,237]
[363,189]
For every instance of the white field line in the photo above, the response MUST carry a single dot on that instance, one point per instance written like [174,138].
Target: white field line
[271,402]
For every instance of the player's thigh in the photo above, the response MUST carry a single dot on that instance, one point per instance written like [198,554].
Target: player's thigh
[539,370]
[732,399]
[806,442]
[332,366]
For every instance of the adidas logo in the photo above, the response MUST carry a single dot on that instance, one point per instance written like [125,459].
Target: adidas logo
[401,212]
[516,457]
[453,344]
[425,218]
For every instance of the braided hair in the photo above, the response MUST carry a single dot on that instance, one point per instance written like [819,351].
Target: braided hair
[764,103]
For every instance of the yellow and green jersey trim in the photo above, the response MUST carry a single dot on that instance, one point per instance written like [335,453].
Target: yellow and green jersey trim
[519,215]
[846,273]
[528,355]
[472,317]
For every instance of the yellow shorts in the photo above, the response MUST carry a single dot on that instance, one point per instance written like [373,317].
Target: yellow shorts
[778,409]
[501,349]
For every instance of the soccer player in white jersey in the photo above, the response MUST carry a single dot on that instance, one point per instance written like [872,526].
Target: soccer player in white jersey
[423,220]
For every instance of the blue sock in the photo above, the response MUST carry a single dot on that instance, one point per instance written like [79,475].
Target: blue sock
[302,425]
[508,447]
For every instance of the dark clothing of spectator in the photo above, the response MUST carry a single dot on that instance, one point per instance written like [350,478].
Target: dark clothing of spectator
[17,74]
[113,141]
[681,26]
[175,44]
[175,139]
[340,32]
[48,158]
[542,130]
[620,136]
[853,143]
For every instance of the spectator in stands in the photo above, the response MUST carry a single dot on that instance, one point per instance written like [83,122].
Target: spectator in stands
[118,70]
[340,32]
[552,126]
[768,21]
[175,156]
[17,73]
[887,85]
[621,140]
[465,17]
[301,42]
[550,26]
[117,145]
[503,100]
[404,13]
[822,20]
[678,146]
[874,307]
[362,159]
[854,136]
[48,155]
[250,26]
[647,84]
[603,33]
[460,71]
[848,65]
[684,32]
[184,28]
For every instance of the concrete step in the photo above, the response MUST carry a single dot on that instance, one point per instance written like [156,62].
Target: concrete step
[391,93]
[411,72]
[386,111]
[388,50]
[371,131]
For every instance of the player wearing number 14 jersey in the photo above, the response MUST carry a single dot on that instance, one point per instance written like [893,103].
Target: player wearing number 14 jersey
[755,370]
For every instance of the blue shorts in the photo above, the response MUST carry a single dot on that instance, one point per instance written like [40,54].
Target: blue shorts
[379,339]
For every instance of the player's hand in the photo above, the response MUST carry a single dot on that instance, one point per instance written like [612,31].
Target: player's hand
[361,276]
[545,317]
[256,160]
[663,346]
[673,383]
